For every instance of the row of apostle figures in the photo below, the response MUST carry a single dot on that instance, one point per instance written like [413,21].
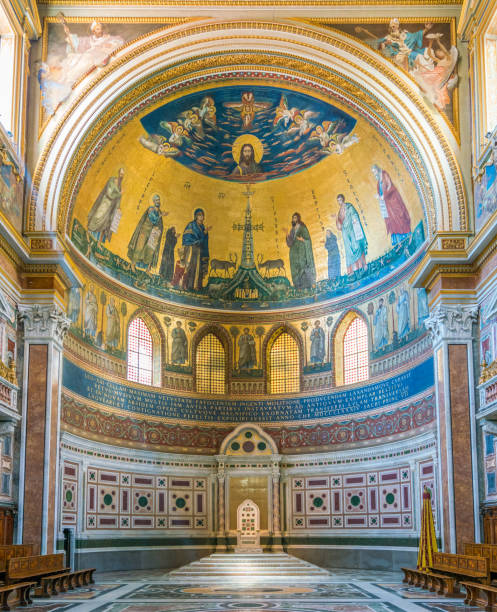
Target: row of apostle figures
[186,267]
[384,326]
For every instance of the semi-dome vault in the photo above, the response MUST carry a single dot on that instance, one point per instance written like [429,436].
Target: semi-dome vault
[277,182]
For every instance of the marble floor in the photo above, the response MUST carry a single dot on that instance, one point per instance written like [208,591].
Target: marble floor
[278,583]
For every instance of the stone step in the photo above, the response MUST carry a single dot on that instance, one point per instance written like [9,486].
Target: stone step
[259,566]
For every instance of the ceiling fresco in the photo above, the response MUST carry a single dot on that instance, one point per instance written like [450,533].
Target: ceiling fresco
[248,197]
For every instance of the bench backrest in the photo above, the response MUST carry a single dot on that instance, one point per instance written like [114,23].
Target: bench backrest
[464,565]
[483,550]
[14,550]
[26,567]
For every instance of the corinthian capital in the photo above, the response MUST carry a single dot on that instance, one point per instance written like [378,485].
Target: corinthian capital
[451,322]
[44,322]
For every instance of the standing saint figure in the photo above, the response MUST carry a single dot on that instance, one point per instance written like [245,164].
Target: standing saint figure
[318,350]
[392,207]
[354,238]
[91,313]
[113,328]
[302,265]
[331,245]
[246,162]
[143,248]
[380,322]
[167,264]
[179,349]
[403,312]
[105,208]
[423,309]
[196,256]
[247,358]
[73,306]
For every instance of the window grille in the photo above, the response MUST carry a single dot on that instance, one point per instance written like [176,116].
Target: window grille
[210,365]
[355,352]
[139,352]
[284,374]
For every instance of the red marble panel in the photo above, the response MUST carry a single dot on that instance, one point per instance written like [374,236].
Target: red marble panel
[461,445]
[35,445]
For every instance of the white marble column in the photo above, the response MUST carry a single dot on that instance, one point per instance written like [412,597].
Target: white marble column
[277,544]
[221,509]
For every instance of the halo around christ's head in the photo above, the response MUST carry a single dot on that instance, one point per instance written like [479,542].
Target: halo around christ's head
[251,140]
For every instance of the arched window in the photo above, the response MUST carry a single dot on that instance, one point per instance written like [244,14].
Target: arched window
[355,352]
[351,350]
[210,365]
[140,352]
[284,365]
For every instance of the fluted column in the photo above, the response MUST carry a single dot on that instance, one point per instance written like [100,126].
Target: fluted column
[452,331]
[44,329]
[277,545]
[221,508]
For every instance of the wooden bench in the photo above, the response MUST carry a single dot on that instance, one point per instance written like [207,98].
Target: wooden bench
[442,584]
[14,550]
[34,567]
[63,582]
[483,595]
[467,566]
[483,550]
[22,589]
[82,577]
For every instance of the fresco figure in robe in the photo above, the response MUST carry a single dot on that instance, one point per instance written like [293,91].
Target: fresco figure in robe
[247,358]
[302,265]
[179,349]
[403,313]
[354,238]
[86,52]
[380,323]
[74,304]
[196,256]
[246,162]
[405,48]
[143,248]
[105,209]
[423,310]
[392,206]
[91,313]
[318,343]
[334,264]
[113,328]
[167,263]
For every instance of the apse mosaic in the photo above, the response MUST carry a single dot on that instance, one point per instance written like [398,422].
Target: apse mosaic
[248,197]
[425,49]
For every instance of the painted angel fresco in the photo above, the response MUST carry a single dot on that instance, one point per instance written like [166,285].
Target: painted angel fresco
[209,132]
[422,53]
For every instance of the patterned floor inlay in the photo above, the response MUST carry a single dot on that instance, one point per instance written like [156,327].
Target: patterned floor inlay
[459,606]
[261,591]
[241,606]
[407,592]
[316,591]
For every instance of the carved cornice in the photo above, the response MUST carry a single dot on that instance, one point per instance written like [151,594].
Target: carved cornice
[451,322]
[44,322]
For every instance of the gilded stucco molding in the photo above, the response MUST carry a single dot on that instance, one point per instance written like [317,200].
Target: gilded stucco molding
[295,30]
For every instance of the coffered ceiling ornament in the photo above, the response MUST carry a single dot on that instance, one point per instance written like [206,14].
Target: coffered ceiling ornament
[212,52]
